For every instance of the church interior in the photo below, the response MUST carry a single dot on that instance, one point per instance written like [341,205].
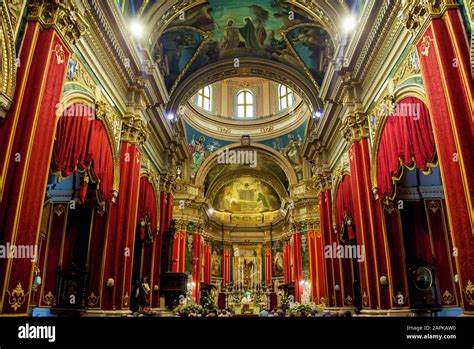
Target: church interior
[194,158]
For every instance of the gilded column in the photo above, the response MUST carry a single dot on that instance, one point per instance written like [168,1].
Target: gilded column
[373,264]
[26,139]
[123,218]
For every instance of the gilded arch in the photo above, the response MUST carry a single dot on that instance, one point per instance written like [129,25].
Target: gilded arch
[337,179]
[274,155]
[410,90]
[102,112]
[150,174]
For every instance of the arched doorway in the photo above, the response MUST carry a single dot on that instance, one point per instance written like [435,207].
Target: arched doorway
[409,183]
[79,190]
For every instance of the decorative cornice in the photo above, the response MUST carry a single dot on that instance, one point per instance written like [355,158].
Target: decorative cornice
[354,127]
[62,15]
[134,130]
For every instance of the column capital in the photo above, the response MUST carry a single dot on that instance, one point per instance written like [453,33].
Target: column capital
[134,130]
[354,127]
[62,15]
[322,180]
[414,13]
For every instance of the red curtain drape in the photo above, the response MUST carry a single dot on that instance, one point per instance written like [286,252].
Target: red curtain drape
[82,144]
[407,140]
[344,204]
[147,204]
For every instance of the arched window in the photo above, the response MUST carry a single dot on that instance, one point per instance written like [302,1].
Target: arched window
[203,99]
[286,97]
[245,104]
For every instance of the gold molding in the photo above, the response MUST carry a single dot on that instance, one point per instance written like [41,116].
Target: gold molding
[469,292]
[7,60]
[17,297]
[63,15]
[113,126]
[92,300]
[447,297]
[49,299]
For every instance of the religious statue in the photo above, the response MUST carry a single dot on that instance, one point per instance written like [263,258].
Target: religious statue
[216,264]
[248,273]
[278,264]
[143,293]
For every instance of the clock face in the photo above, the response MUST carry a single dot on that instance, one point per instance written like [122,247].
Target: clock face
[423,278]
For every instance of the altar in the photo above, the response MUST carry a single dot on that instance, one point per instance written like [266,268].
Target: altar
[246,309]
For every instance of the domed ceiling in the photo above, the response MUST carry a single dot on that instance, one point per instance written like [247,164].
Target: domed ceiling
[217,30]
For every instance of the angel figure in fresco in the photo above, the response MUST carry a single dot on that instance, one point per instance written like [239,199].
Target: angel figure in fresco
[196,149]
[231,37]
[293,151]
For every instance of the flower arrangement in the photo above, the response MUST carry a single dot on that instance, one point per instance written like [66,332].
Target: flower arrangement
[187,308]
[258,298]
[285,302]
[209,301]
[235,298]
[309,308]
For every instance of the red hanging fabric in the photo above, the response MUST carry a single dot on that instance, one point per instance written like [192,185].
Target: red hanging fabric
[147,204]
[407,140]
[344,205]
[82,144]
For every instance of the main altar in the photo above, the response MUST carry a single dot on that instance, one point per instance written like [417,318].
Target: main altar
[247,303]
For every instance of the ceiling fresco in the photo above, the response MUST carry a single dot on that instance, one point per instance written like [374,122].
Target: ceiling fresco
[290,146]
[246,195]
[200,146]
[264,164]
[222,29]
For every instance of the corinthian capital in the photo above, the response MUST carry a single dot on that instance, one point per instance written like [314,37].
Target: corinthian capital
[354,127]
[322,181]
[62,15]
[134,130]
[414,13]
